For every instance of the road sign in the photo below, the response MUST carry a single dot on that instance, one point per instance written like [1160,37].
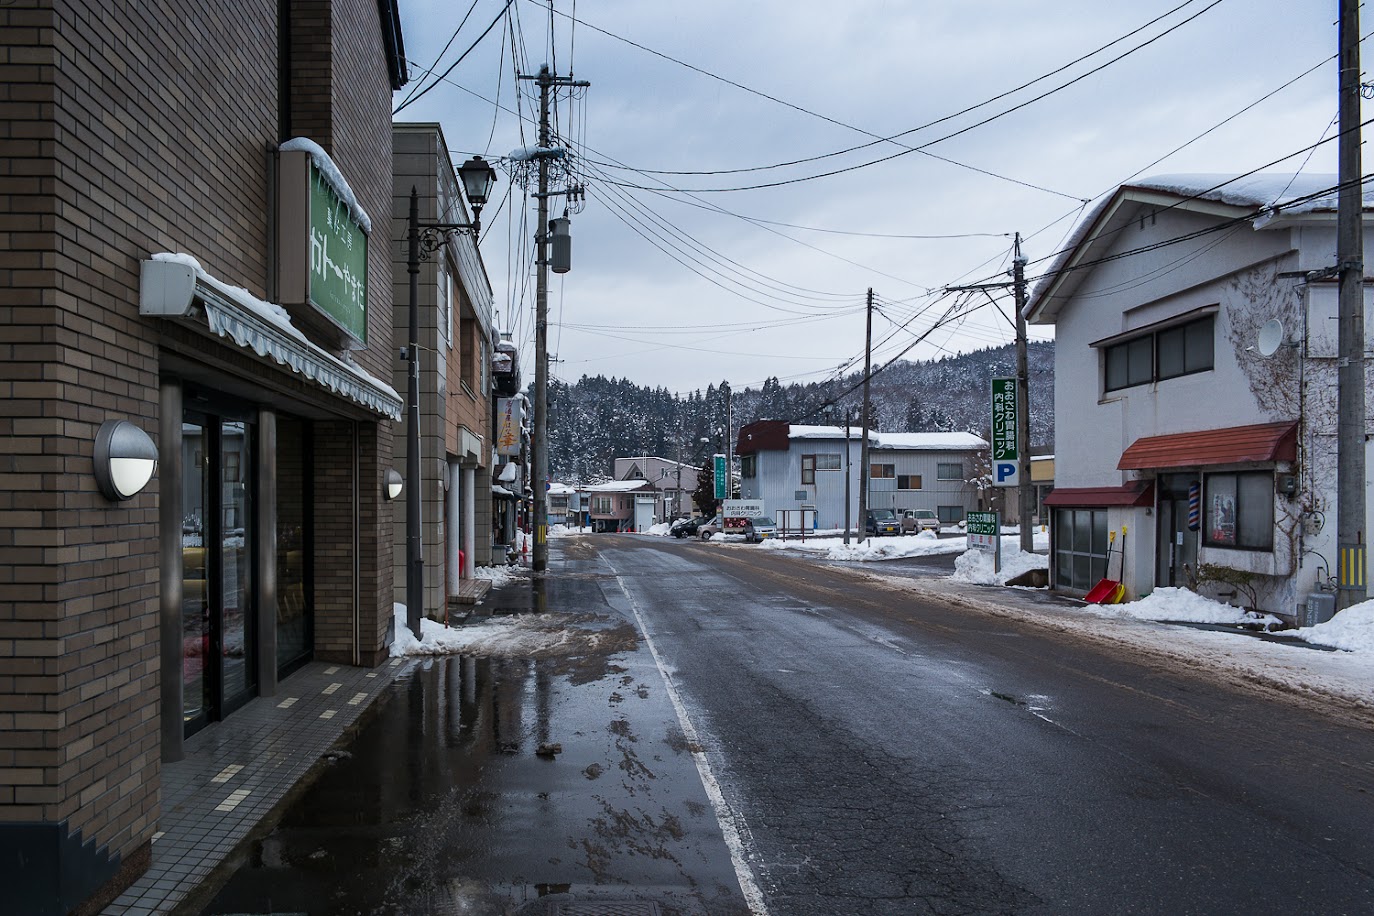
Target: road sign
[985,533]
[722,480]
[742,508]
[1006,448]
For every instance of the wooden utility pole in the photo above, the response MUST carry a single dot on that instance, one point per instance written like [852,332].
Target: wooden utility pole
[1026,494]
[539,558]
[863,446]
[1350,378]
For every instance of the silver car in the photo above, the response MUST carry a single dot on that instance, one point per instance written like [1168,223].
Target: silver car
[760,529]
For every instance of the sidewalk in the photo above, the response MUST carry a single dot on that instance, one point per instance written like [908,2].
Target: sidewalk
[238,770]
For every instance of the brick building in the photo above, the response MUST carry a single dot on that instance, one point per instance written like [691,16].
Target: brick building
[263,540]
[455,325]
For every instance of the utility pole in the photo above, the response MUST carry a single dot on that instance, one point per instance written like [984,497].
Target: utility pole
[539,559]
[728,445]
[1025,497]
[848,472]
[863,446]
[1350,379]
[415,561]
[1027,491]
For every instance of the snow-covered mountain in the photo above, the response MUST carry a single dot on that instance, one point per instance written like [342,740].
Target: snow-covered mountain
[595,419]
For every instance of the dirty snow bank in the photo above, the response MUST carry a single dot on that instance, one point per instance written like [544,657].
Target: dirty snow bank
[500,575]
[874,548]
[521,635]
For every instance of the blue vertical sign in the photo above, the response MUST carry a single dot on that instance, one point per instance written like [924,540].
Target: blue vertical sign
[1006,448]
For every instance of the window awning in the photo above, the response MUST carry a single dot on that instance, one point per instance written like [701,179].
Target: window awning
[1139,493]
[170,288]
[1263,442]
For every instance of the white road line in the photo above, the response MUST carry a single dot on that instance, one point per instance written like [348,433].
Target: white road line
[287,703]
[232,802]
[732,823]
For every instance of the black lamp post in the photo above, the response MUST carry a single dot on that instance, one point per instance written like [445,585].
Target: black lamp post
[477,176]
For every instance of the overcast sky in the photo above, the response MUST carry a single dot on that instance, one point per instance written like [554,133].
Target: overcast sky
[684,289]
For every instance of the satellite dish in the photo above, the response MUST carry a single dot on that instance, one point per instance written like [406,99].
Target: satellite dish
[1270,337]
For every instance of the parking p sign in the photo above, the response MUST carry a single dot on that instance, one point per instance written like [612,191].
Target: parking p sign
[1006,449]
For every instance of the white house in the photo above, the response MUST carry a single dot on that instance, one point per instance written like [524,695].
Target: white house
[1195,388]
[793,467]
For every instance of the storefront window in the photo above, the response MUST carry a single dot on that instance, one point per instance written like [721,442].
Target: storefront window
[1240,510]
[195,599]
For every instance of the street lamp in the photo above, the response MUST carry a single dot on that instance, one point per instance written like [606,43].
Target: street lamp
[477,177]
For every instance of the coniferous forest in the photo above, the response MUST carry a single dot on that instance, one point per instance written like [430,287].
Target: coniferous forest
[596,419]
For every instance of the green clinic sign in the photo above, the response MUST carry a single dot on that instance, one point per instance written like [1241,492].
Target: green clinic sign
[1006,447]
[720,478]
[338,258]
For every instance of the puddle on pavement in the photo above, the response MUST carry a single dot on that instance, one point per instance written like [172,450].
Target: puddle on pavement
[444,802]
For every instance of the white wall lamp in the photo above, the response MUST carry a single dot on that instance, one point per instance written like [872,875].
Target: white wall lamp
[125,459]
[394,484]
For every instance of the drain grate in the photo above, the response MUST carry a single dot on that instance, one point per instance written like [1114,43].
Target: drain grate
[605,908]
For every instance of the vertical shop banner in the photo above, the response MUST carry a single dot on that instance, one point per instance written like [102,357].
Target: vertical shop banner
[721,480]
[338,258]
[510,416]
[1006,449]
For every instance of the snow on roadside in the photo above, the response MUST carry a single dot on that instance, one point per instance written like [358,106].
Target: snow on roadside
[1179,605]
[660,530]
[871,549]
[520,635]
[566,531]
[1352,629]
[500,575]
[975,566]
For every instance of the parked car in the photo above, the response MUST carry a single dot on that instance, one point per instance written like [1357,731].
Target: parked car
[760,529]
[687,527]
[883,521]
[919,520]
[712,527]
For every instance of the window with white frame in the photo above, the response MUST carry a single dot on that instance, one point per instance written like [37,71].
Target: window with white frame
[1240,510]
[601,505]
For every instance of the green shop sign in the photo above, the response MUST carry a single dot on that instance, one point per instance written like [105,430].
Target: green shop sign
[338,259]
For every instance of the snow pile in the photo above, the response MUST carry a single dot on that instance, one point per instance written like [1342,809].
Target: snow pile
[566,531]
[660,530]
[924,544]
[525,635]
[1352,629]
[498,575]
[1179,605]
[975,566]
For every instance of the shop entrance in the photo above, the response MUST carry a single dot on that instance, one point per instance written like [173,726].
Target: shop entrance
[1179,507]
[217,538]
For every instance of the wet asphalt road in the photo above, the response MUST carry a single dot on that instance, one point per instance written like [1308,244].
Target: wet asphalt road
[873,754]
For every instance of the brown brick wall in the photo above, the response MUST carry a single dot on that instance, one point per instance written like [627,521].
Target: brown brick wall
[131,128]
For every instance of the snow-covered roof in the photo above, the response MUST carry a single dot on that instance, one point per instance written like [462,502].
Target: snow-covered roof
[931,441]
[827,432]
[561,489]
[1264,193]
[616,486]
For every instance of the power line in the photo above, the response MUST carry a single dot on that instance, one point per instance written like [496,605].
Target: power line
[419,95]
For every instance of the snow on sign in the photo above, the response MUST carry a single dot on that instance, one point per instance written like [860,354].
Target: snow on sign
[742,508]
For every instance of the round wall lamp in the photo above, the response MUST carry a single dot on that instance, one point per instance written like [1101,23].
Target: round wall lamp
[125,459]
[394,484]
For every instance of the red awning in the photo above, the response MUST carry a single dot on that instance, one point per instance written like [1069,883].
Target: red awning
[1139,493]
[1233,445]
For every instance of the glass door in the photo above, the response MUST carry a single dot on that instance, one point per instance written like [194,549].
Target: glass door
[195,576]
[236,565]
[217,537]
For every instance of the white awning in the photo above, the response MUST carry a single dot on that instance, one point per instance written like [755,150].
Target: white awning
[170,289]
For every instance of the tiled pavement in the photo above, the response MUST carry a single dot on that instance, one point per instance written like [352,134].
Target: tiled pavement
[237,770]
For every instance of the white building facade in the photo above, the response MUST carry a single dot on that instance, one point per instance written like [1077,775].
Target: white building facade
[1195,387]
[793,468]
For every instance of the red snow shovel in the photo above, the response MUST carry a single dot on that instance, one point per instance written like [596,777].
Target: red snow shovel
[1110,591]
